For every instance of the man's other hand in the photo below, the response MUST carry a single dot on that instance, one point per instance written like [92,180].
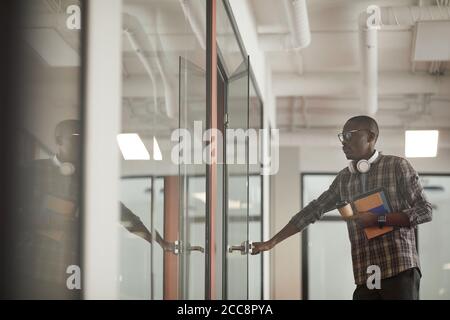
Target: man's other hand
[364,219]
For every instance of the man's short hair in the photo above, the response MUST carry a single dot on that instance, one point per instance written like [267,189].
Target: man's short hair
[67,127]
[368,123]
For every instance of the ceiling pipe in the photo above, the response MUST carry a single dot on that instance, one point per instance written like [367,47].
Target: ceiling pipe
[368,34]
[370,22]
[198,26]
[170,94]
[141,56]
[298,22]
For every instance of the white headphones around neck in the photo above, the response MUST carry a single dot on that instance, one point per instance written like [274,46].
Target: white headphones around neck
[65,168]
[363,165]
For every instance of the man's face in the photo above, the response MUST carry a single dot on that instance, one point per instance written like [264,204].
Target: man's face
[68,139]
[356,144]
[71,146]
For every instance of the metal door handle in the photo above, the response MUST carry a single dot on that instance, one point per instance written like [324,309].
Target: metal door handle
[196,248]
[243,248]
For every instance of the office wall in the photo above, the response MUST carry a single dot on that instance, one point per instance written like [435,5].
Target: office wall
[285,257]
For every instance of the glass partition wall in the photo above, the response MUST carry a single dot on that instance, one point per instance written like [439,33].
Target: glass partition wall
[163,245]
[164,83]
[160,245]
[44,119]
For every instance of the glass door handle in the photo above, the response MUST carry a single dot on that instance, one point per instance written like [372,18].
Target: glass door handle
[196,248]
[243,248]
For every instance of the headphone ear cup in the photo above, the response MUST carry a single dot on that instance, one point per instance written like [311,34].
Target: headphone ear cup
[67,169]
[363,166]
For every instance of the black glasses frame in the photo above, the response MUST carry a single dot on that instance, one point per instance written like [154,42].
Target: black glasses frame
[347,136]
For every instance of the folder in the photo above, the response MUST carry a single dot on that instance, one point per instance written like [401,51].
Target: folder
[377,202]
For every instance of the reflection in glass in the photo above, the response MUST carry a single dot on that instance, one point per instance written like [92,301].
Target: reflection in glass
[135,265]
[159,96]
[46,247]
[192,172]
[237,183]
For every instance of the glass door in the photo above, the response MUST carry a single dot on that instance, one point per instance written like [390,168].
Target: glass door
[236,183]
[192,181]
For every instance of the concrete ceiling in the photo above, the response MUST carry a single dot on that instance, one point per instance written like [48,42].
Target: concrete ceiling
[318,86]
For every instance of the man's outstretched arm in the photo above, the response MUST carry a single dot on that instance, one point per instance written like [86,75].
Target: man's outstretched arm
[133,224]
[288,230]
[309,214]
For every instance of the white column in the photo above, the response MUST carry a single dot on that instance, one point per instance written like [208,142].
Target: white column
[101,180]
[285,257]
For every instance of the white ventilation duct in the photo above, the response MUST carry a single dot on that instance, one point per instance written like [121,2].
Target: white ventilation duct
[369,22]
[297,18]
[129,33]
[198,26]
[170,94]
[369,60]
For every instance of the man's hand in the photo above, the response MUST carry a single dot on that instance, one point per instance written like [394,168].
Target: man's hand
[364,219]
[258,247]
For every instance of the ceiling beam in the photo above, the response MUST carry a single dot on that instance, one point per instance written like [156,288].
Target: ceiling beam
[349,84]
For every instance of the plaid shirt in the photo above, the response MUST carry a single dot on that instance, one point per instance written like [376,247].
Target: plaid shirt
[394,251]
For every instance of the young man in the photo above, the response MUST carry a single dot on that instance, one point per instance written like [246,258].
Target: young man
[395,253]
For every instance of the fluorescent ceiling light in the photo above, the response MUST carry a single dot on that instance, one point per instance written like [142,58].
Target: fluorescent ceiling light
[52,48]
[421,143]
[132,147]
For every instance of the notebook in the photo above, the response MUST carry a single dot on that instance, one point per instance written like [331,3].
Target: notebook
[377,202]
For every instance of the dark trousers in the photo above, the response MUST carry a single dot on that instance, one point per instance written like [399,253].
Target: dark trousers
[404,286]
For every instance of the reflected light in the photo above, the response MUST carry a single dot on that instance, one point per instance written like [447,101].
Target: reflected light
[156,150]
[421,143]
[200,196]
[132,147]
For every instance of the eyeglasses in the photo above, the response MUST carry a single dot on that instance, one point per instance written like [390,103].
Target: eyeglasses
[347,136]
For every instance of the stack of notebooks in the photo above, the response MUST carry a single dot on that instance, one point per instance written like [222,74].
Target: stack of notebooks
[377,202]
